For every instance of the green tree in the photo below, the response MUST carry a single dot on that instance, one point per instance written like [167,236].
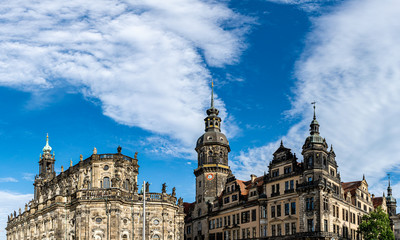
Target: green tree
[376,226]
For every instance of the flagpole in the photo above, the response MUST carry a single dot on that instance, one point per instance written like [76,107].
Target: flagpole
[144,210]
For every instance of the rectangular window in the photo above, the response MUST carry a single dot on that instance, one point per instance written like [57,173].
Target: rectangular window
[246,217]
[188,229]
[254,232]
[286,185]
[287,170]
[272,211]
[275,173]
[253,215]
[310,225]
[293,227]
[234,219]
[309,204]
[279,229]
[293,208]
[243,233]
[225,222]
[337,211]
[343,214]
[334,210]
[291,184]
[226,200]
[273,230]
[234,197]
[263,212]
[287,230]
[273,189]
[199,183]
[278,210]
[229,220]
[326,225]
[286,209]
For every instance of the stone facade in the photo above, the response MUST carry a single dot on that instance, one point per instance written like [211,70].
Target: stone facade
[97,198]
[293,200]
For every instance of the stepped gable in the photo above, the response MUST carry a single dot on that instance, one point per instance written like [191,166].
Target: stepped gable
[351,187]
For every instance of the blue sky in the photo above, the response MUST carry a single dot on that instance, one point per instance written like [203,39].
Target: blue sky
[137,74]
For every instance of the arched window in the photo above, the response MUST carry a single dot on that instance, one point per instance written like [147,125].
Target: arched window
[106,182]
[126,184]
[124,236]
[210,158]
[155,237]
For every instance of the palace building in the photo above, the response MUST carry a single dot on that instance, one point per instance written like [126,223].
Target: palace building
[98,199]
[293,200]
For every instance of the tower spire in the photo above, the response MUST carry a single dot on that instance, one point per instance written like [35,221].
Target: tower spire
[313,103]
[212,93]
[314,126]
[47,148]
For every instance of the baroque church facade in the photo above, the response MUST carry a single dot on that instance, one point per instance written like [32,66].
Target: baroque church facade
[293,200]
[98,199]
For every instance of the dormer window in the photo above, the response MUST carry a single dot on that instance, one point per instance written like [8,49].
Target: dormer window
[287,170]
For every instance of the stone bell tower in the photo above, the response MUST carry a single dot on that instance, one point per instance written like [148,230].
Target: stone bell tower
[212,150]
[212,170]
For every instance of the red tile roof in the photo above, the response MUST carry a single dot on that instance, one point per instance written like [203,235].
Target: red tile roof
[377,201]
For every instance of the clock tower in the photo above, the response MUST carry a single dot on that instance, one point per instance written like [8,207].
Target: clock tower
[212,170]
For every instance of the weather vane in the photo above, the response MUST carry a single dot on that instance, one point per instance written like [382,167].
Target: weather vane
[313,103]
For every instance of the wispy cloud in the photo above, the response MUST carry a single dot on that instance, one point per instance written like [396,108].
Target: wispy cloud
[145,61]
[351,67]
[306,5]
[8,179]
[10,202]
[28,176]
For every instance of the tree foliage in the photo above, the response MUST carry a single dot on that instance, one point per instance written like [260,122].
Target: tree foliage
[376,226]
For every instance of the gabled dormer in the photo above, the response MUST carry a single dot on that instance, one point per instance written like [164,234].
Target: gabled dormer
[284,163]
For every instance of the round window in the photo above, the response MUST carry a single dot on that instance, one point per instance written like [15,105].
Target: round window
[98,220]
[156,222]
[106,167]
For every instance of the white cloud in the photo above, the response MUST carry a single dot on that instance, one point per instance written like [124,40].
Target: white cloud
[351,67]
[306,5]
[10,202]
[8,179]
[143,60]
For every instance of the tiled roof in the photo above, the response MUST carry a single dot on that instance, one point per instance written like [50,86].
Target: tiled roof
[377,201]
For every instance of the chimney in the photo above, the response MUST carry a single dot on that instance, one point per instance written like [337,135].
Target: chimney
[253,177]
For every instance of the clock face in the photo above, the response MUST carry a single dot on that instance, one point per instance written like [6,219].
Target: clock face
[210,176]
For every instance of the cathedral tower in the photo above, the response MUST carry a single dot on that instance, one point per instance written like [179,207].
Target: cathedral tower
[46,162]
[46,168]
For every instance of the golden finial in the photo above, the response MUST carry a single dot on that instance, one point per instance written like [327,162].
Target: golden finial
[62,169]
[81,157]
[70,163]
